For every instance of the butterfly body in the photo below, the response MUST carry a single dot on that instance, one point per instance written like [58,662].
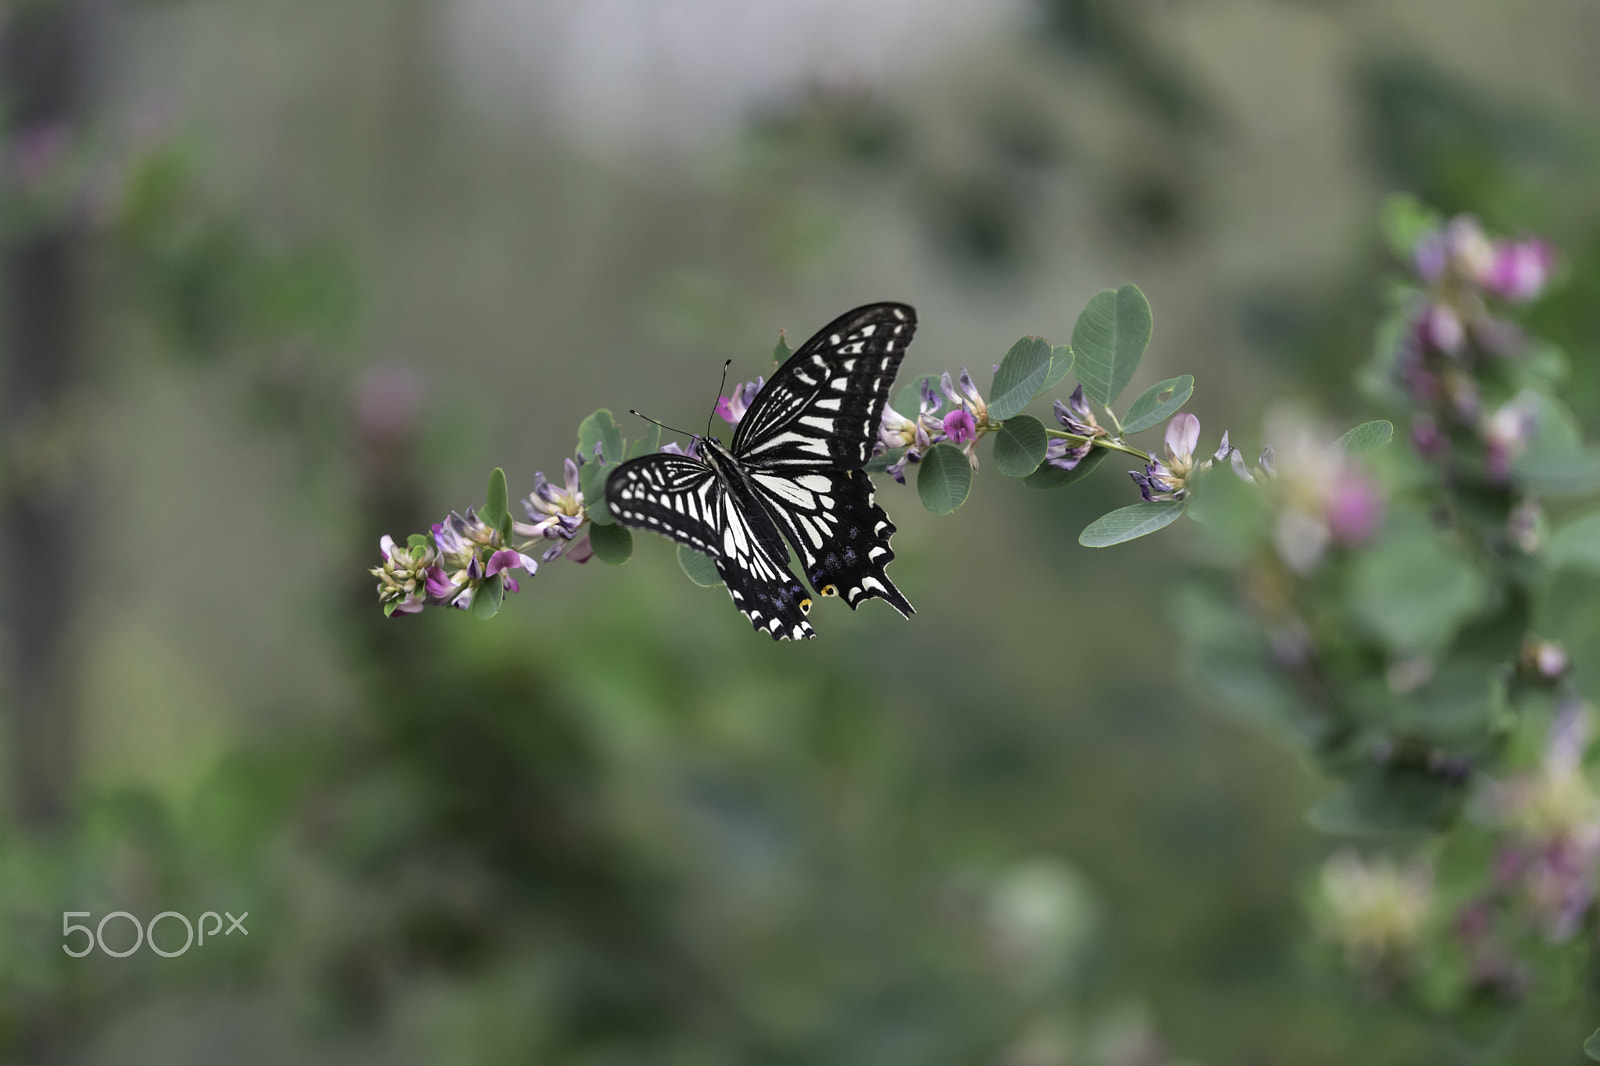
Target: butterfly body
[792,472]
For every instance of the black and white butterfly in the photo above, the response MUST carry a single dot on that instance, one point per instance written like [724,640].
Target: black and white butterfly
[795,468]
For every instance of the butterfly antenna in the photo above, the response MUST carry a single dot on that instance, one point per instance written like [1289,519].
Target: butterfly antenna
[663,425]
[720,387]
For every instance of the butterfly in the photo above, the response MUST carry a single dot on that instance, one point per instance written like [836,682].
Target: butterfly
[793,471]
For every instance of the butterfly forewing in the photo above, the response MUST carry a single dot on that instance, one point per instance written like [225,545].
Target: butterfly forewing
[821,410]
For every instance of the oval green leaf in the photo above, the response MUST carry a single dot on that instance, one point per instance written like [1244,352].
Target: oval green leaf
[486,601]
[1159,401]
[1053,477]
[650,442]
[1021,375]
[1019,446]
[1389,801]
[1130,523]
[698,565]
[1108,341]
[602,429]
[1576,543]
[592,481]
[612,544]
[944,478]
[1591,1046]
[1366,438]
[1060,366]
[494,504]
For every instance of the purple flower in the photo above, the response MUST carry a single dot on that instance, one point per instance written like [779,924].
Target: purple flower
[1553,814]
[1065,454]
[470,551]
[506,560]
[556,512]
[969,398]
[1168,479]
[732,408]
[1353,508]
[1506,433]
[916,436]
[1440,327]
[1519,270]
[1076,416]
[959,427]
[674,448]
[969,401]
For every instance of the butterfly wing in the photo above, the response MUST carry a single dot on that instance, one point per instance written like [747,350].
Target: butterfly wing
[821,410]
[682,498]
[805,438]
[839,532]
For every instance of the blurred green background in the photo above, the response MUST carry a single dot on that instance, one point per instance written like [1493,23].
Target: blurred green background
[336,260]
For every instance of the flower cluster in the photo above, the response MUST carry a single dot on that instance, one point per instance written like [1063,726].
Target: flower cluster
[1550,820]
[1320,495]
[1065,453]
[915,435]
[964,421]
[1376,911]
[1169,478]
[446,567]
[554,512]
[1452,360]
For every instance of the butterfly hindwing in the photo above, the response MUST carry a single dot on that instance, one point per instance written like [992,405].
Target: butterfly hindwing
[839,532]
[821,410]
[683,498]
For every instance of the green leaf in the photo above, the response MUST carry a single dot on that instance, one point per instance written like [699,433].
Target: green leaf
[1060,366]
[1389,801]
[1160,400]
[1021,375]
[1556,461]
[944,478]
[1576,543]
[780,354]
[494,504]
[908,401]
[698,565]
[486,600]
[1413,590]
[419,540]
[600,428]
[1130,523]
[1405,220]
[1366,438]
[592,480]
[1019,446]
[1053,477]
[1108,341]
[1591,1046]
[612,544]
[650,442]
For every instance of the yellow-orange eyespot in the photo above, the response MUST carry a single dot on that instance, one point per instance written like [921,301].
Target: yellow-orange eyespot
[805,606]
[830,590]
